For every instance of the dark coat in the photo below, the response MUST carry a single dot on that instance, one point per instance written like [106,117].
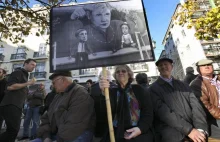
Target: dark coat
[177,111]
[189,78]
[69,115]
[207,95]
[99,99]
[2,88]
[48,100]
[146,114]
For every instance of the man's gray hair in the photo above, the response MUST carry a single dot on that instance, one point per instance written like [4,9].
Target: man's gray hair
[70,79]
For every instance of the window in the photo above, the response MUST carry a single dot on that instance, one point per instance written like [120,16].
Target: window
[183,33]
[174,47]
[177,42]
[1,50]
[40,67]
[42,49]
[47,31]
[165,47]
[16,66]
[20,50]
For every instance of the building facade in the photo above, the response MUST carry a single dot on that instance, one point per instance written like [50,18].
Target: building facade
[185,49]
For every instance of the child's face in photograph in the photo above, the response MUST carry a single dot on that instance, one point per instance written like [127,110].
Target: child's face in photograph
[124,29]
[101,17]
[82,36]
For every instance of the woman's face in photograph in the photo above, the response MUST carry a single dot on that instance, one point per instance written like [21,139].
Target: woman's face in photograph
[101,17]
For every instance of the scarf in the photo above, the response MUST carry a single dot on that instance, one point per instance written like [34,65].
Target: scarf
[127,111]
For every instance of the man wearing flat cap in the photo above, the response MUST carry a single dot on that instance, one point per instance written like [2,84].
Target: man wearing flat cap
[178,115]
[206,87]
[71,115]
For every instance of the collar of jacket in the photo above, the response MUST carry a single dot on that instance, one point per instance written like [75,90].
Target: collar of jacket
[70,87]
[161,81]
[23,70]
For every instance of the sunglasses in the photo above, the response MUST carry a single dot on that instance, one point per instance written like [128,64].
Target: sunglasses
[122,71]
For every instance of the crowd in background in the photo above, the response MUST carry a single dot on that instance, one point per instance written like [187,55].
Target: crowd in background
[169,110]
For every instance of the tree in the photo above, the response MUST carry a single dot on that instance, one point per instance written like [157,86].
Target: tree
[17,18]
[206,21]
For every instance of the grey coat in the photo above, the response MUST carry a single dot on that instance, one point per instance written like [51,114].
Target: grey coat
[177,111]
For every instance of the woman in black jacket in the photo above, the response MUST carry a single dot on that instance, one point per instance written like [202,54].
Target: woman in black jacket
[131,108]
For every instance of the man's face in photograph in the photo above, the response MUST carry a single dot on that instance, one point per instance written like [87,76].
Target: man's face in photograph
[82,36]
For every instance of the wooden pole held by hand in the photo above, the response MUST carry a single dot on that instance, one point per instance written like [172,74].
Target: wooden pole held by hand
[109,111]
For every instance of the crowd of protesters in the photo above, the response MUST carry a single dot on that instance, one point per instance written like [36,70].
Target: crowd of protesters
[169,110]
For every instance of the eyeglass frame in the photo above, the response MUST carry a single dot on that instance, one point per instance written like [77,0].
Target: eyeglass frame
[54,81]
[121,71]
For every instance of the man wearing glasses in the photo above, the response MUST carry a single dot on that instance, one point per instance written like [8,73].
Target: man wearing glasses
[2,89]
[71,115]
[206,87]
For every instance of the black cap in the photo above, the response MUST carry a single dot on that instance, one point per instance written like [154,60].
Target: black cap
[163,59]
[60,73]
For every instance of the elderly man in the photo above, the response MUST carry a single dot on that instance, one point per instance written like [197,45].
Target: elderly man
[206,87]
[71,115]
[178,115]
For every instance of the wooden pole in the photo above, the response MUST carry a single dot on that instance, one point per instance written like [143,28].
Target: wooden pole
[109,111]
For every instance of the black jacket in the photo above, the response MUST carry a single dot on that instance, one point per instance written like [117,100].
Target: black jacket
[177,111]
[101,118]
[146,114]
[189,78]
[16,97]
[2,88]
[49,99]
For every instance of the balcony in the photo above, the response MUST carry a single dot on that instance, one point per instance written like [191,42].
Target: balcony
[18,56]
[139,67]
[212,53]
[88,72]
[38,75]
[38,55]
[2,57]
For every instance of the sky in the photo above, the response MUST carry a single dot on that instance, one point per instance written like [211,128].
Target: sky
[159,13]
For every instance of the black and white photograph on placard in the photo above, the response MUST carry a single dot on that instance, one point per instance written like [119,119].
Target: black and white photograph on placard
[99,34]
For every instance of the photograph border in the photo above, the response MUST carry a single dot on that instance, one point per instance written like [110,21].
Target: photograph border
[111,64]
